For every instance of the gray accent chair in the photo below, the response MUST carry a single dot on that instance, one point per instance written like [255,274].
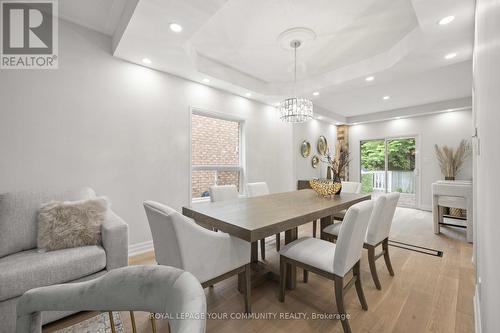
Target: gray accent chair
[156,289]
[23,266]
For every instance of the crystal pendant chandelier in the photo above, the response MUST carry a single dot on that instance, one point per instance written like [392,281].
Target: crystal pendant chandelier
[294,109]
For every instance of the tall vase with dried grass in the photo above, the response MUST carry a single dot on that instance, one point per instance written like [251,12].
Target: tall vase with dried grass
[451,160]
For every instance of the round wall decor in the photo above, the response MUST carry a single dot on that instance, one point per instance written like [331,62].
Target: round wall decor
[315,161]
[322,145]
[305,148]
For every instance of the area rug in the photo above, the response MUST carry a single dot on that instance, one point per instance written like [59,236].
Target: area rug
[97,324]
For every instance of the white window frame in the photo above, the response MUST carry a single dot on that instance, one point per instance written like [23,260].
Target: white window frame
[242,161]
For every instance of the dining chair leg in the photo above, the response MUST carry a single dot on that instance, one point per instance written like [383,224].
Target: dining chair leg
[339,297]
[112,321]
[132,320]
[153,322]
[385,247]
[241,282]
[359,288]
[281,296]
[278,242]
[248,289]
[263,248]
[373,266]
[315,227]
[305,276]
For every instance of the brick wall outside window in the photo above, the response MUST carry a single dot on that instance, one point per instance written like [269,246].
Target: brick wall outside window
[214,142]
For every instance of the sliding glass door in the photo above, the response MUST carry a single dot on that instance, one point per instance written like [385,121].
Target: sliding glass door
[388,165]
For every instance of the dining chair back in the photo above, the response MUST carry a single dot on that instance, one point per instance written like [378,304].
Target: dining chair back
[223,192]
[351,237]
[163,222]
[381,219]
[210,256]
[257,189]
[351,187]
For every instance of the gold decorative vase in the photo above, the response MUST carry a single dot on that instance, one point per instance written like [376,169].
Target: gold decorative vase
[326,187]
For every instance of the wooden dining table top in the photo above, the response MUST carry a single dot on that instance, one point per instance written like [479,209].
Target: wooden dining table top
[254,218]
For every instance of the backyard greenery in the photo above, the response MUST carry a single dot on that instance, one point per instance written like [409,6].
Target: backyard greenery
[400,153]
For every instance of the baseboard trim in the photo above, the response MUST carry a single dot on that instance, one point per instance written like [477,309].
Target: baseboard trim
[477,312]
[426,207]
[140,248]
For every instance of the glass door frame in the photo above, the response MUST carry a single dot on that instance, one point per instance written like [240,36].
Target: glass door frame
[416,171]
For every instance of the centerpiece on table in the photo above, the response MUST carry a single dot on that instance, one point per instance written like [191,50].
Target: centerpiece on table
[335,168]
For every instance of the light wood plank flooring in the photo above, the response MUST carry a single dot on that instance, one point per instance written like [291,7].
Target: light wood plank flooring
[427,293]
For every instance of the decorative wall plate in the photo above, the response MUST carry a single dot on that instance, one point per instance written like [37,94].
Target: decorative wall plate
[315,161]
[322,145]
[305,148]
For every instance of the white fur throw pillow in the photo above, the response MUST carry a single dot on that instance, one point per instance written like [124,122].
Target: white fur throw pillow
[68,224]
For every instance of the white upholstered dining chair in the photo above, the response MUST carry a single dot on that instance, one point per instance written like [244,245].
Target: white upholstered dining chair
[223,192]
[347,187]
[330,260]
[255,190]
[351,187]
[230,192]
[210,256]
[377,233]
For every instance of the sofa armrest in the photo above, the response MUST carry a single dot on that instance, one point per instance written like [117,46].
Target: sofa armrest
[115,241]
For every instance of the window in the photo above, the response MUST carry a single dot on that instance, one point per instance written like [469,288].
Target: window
[216,153]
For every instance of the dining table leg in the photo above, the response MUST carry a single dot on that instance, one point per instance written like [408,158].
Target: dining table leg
[254,252]
[325,222]
[254,258]
[291,271]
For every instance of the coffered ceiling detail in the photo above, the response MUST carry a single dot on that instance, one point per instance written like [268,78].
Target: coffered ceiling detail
[236,46]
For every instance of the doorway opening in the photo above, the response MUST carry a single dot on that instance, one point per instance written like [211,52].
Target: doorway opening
[388,165]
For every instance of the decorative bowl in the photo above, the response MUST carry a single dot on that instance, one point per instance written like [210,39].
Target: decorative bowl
[325,187]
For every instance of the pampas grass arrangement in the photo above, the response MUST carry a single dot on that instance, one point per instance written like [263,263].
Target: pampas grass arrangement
[451,160]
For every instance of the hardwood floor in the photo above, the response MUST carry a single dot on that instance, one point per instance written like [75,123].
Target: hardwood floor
[427,293]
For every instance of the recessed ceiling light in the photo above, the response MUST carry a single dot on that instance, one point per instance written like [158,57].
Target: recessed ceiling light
[355,123]
[248,94]
[386,98]
[316,93]
[175,27]
[320,117]
[147,61]
[450,56]
[206,80]
[446,20]
[337,123]
[370,78]
[397,118]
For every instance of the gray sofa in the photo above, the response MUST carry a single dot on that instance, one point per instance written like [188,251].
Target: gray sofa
[23,267]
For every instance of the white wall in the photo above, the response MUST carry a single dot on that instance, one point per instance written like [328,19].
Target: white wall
[487,119]
[311,132]
[442,129]
[120,128]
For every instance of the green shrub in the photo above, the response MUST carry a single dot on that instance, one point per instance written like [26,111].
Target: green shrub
[367,183]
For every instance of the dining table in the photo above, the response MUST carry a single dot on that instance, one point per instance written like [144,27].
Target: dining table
[255,218]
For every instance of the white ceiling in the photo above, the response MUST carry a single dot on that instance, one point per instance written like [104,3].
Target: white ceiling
[99,15]
[234,43]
